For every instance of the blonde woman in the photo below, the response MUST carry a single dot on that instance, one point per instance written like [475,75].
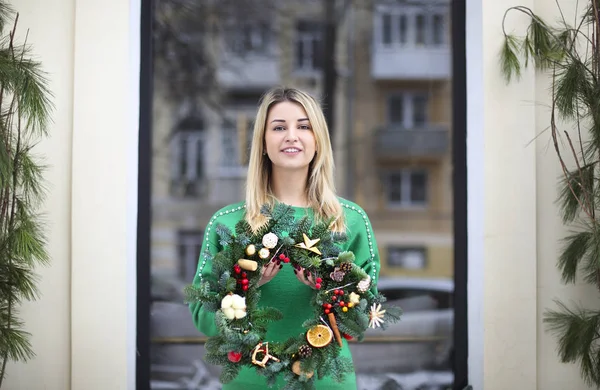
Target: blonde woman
[291,162]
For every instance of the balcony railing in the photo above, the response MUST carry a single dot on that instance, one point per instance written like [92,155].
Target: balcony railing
[411,63]
[249,71]
[426,141]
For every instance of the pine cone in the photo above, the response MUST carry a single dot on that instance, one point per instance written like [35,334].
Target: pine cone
[305,351]
[346,267]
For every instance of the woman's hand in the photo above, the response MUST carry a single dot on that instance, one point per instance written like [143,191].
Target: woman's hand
[305,277]
[269,271]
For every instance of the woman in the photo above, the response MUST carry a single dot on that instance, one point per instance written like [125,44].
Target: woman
[291,162]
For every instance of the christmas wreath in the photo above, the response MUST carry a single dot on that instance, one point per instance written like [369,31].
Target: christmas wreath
[343,303]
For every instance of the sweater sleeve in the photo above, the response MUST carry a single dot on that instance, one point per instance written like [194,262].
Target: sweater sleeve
[363,244]
[205,320]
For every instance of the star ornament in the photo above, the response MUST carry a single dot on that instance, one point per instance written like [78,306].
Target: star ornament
[376,316]
[309,244]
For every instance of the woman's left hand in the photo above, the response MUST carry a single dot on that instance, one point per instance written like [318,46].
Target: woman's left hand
[305,277]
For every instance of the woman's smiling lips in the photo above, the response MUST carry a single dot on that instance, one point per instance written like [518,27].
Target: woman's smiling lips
[291,151]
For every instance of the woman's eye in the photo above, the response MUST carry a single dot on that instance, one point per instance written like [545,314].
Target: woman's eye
[305,127]
[278,128]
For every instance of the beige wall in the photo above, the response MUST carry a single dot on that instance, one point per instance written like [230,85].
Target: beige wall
[83,327]
[514,229]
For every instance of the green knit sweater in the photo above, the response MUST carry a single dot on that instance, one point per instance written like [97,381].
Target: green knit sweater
[285,292]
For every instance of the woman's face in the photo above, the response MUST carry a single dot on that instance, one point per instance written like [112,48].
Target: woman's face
[289,138]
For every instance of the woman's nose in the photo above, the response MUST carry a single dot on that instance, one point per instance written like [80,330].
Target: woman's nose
[292,135]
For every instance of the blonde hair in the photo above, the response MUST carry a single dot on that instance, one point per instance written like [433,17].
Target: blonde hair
[320,186]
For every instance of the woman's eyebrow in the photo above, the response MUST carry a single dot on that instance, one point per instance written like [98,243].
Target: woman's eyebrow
[278,120]
[302,119]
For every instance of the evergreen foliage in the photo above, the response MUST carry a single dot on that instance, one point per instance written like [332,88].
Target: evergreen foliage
[244,334]
[570,55]
[25,110]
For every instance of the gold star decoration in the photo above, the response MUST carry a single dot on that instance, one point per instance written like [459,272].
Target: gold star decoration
[376,316]
[309,244]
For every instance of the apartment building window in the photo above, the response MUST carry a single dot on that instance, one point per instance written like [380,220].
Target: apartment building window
[407,188]
[407,109]
[235,139]
[187,163]
[309,47]
[189,244]
[250,38]
[409,258]
[412,27]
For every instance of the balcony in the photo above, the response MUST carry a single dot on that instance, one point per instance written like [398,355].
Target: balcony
[249,71]
[411,63]
[397,142]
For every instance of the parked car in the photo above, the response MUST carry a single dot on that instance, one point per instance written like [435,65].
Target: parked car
[422,339]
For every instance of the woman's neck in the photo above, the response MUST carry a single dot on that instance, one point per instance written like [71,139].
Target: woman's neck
[289,187]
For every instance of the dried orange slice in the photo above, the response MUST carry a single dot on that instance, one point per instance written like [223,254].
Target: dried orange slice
[319,336]
[298,371]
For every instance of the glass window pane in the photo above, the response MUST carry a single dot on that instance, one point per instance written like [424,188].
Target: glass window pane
[418,187]
[419,110]
[391,107]
[420,32]
[402,28]
[438,29]
[386,29]
[396,110]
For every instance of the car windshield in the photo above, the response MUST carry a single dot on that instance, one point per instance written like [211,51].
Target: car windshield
[413,299]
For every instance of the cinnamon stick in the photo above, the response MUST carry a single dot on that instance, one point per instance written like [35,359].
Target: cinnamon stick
[335,329]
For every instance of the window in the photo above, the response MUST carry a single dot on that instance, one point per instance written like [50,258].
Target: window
[187,163]
[407,109]
[236,136]
[407,188]
[250,38]
[438,27]
[189,244]
[309,49]
[412,26]
[407,258]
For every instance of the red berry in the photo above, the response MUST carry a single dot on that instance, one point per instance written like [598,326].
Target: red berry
[237,270]
[333,298]
[325,305]
[341,292]
[318,280]
[327,311]
[281,256]
[244,281]
[286,260]
[328,305]
[342,304]
[347,336]
[234,357]
[244,275]
[245,287]
[318,286]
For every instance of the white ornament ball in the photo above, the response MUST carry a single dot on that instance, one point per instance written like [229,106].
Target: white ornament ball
[263,253]
[270,240]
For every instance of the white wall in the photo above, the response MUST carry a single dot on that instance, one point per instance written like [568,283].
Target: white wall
[514,228]
[84,325]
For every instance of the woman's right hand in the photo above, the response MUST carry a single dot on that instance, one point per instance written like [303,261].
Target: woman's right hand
[269,271]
